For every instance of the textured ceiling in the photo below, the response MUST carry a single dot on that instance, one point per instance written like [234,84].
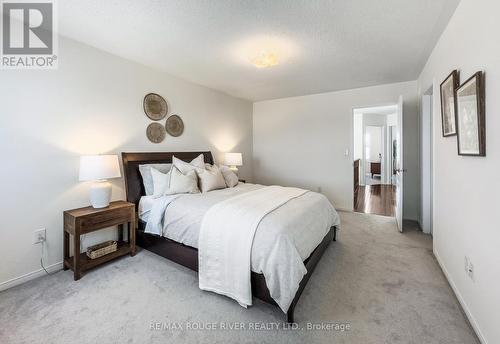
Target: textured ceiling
[322,45]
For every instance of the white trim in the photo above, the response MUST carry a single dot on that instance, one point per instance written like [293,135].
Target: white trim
[346,210]
[465,308]
[30,276]
[426,134]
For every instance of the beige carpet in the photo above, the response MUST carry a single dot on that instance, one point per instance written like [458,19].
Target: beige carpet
[385,285]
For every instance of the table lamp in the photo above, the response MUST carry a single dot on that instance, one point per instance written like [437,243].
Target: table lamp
[99,168]
[232,160]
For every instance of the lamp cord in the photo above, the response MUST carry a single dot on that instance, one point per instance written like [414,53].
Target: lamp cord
[41,262]
[41,257]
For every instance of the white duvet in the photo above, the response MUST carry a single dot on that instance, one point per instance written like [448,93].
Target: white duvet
[283,239]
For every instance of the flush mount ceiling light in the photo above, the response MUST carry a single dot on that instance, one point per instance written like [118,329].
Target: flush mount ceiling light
[264,51]
[264,59]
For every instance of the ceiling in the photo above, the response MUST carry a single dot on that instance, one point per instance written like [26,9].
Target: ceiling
[321,45]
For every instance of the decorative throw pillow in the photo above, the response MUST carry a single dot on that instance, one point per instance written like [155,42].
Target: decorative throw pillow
[182,182]
[197,164]
[211,179]
[160,182]
[230,177]
[147,179]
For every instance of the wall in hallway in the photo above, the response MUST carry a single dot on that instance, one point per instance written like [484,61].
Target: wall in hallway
[465,205]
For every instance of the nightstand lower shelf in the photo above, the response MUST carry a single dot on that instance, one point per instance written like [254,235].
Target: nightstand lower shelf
[86,263]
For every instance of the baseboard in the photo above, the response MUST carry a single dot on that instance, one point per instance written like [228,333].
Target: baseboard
[420,224]
[346,210]
[422,228]
[29,276]
[465,308]
[411,223]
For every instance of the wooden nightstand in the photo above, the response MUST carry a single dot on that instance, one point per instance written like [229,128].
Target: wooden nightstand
[85,220]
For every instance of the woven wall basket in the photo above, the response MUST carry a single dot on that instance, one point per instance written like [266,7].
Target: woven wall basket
[155,107]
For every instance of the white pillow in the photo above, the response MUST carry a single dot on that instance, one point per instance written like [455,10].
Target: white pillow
[182,183]
[197,164]
[147,179]
[211,179]
[160,182]
[230,177]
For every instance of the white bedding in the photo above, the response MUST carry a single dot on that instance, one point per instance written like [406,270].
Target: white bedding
[226,240]
[300,224]
[145,206]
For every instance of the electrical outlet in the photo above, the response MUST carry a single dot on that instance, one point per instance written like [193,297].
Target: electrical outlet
[39,236]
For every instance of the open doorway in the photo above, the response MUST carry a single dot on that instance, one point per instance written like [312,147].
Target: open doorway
[375,145]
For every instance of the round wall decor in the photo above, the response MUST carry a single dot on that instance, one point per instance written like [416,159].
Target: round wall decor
[155,107]
[175,126]
[155,132]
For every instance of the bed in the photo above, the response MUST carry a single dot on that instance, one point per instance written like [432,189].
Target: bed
[180,246]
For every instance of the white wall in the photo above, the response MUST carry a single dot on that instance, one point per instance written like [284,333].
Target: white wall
[373,149]
[380,121]
[373,145]
[358,135]
[301,141]
[465,208]
[91,104]
[426,164]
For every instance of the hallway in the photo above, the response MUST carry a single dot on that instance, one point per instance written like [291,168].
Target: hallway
[375,199]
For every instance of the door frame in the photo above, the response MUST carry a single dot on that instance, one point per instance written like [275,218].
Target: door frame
[427,96]
[351,145]
[400,171]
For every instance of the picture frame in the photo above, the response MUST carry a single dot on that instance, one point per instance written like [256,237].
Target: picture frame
[470,116]
[448,104]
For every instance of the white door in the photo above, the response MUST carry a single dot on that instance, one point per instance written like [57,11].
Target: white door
[399,166]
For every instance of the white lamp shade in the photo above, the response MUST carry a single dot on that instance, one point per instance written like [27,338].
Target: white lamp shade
[233,159]
[98,167]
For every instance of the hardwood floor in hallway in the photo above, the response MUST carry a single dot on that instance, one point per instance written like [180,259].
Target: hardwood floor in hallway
[375,199]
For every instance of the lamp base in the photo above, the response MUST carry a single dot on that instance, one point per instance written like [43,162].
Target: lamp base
[100,194]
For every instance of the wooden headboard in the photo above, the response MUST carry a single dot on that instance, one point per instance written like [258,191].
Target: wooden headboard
[134,186]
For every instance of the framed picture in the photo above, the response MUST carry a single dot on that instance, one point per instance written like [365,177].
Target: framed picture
[448,118]
[470,109]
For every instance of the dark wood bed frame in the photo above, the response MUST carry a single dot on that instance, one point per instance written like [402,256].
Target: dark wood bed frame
[186,255]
